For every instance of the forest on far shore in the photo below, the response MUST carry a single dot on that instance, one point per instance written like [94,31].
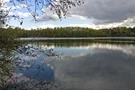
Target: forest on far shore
[11,33]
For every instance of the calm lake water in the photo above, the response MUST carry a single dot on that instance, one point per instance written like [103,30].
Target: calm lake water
[80,65]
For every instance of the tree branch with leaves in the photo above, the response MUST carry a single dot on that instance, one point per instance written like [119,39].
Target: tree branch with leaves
[37,8]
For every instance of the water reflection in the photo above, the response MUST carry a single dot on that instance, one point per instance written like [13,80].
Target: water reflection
[85,46]
[83,65]
[103,70]
[98,66]
[22,67]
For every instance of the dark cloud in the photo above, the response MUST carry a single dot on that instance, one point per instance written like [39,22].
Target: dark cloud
[106,11]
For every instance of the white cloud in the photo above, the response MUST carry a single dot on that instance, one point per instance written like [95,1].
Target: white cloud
[5,1]
[15,7]
[44,26]
[94,26]
[21,6]
[81,25]
[100,26]
[20,14]
[77,16]
[47,17]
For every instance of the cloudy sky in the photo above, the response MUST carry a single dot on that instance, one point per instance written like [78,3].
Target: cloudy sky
[93,14]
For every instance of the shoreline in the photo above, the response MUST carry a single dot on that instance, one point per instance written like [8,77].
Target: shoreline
[75,38]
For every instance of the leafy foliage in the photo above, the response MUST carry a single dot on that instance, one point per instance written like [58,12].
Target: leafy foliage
[72,32]
[36,8]
[10,34]
[60,7]
[13,60]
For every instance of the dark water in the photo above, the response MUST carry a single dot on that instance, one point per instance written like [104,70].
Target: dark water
[81,65]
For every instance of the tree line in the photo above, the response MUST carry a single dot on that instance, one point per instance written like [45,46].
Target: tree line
[10,33]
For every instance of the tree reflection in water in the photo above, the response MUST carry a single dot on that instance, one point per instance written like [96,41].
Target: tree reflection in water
[22,68]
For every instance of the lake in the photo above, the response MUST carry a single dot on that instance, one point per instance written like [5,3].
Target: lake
[70,65]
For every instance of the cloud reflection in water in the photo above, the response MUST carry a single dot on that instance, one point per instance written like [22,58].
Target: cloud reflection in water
[104,68]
